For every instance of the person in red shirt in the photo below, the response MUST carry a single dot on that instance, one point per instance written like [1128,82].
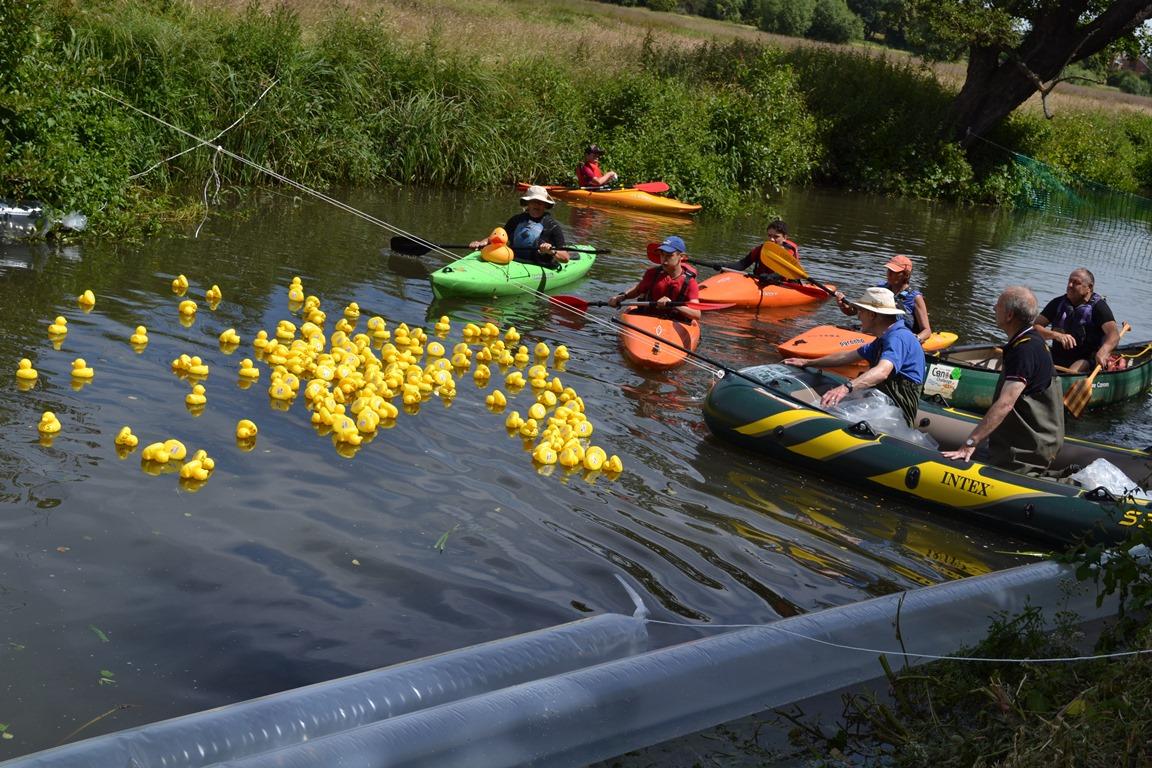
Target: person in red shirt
[589,174]
[668,284]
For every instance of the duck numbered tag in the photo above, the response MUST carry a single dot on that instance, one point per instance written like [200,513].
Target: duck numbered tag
[941,380]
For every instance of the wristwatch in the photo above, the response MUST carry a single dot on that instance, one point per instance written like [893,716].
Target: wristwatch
[848,385]
[969,443]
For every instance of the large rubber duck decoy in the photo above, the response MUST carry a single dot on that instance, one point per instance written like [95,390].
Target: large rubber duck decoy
[497,250]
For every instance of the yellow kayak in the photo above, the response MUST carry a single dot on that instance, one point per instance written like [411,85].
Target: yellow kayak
[631,198]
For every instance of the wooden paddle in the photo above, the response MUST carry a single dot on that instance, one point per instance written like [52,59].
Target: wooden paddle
[580,305]
[1078,395]
[410,246]
[781,261]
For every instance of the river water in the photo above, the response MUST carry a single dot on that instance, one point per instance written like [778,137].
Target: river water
[295,564]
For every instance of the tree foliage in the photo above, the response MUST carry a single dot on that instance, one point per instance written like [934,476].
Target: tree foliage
[1016,48]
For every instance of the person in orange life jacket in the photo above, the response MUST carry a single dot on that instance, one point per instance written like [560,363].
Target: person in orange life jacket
[1025,424]
[671,282]
[533,235]
[895,357]
[1084,330]
[908,298]
[589,173]
[778,234]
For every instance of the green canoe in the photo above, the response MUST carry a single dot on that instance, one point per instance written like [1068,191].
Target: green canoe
[774,410]
[966,376]
[472,276]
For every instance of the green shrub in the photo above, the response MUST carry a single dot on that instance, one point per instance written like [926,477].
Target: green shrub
[833,22]
[787,17]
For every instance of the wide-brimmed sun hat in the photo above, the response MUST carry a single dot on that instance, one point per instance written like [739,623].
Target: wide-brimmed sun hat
[878,300]
[537,192]
[899,263]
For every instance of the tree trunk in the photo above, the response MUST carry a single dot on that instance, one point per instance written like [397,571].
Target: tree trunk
[1000,80]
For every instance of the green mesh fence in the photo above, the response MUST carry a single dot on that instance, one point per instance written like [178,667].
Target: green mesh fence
[1120,222]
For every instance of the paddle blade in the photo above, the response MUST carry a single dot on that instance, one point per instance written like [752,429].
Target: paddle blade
[781,261]
[706,306]
[569,302]
[652,187]
[409,247]
[1078,395]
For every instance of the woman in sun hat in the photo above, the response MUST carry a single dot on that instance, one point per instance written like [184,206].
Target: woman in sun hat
[533,235]
[895,356]
[669,286]
[911,300]
[589,173]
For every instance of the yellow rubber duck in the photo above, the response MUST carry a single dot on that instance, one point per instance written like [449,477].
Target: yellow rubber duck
[496,400]
[541,351]
[560,354]
[229,337]
[261,340]
[544,453]
[87,300]
[196,398]
[594,458]
[614,464]
[80,369]
[126,439]
[196,367]
[521,356]
[187,308]
[497,250]
[352,312]
[514,421]
[140,338]
[248,370]
[213,295]
[512,336]
[245,430]
[285,330]
[58,327]
[180,284]
[25,370]
[296,292]
[157,452]
[443,325]
[49,424]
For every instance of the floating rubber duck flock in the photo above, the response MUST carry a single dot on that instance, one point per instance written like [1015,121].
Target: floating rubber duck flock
[350,381]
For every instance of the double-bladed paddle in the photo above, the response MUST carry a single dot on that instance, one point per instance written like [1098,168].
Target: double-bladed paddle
[1078,395]
[410,246]
[580,305]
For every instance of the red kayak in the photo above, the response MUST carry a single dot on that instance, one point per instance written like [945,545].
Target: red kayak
[745,290]
[645,347]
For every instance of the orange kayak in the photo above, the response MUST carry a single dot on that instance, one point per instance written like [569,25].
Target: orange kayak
[644,346]
[826,339]
[746,291]
[634,199]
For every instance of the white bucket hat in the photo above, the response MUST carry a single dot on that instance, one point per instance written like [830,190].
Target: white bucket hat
[537,192]
[878,300]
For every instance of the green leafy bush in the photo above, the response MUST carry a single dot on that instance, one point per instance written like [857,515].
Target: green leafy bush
[787,17]
[834,22]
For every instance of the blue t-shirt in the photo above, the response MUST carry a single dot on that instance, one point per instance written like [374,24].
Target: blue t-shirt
[899,346]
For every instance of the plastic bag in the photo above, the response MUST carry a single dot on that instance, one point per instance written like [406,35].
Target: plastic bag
[1104,474]
[883,415]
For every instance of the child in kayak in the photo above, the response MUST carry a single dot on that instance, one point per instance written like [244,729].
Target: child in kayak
[589,174]
[777,235]
[533,235]
[669,283]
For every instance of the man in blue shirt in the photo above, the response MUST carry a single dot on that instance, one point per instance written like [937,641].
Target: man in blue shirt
[895,356]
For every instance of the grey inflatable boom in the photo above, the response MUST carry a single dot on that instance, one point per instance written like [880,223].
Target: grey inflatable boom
[580,715]
[294,717]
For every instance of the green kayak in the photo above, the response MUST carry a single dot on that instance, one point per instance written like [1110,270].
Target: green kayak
[966,376]
[472,276]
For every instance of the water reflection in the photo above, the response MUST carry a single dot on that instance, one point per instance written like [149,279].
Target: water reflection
[295,562]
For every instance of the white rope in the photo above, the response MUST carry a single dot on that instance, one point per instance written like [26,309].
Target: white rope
[889,652]
[235,123]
